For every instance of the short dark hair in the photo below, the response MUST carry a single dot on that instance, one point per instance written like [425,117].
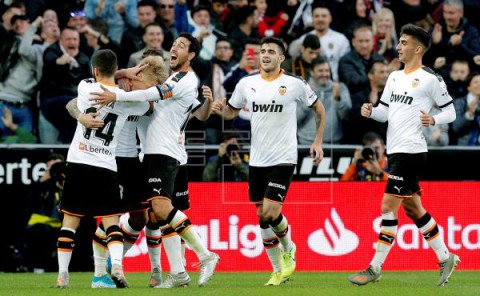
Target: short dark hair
[279,42]
[152,52]
[319,61]
[470,77]
[55,156]
[198,8]
[105,61]
[99,25]
[152,25]
[244,13]
[311,41]
[194,44]
[418,34]
[371,137]
[147,3]
[371,65]
[252,41]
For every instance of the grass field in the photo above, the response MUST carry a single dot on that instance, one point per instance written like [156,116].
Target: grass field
[250,284]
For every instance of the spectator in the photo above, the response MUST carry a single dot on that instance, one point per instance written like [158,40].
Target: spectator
[272,18]
[12,133]
[45,218]
[466,127]
[334,45]
[25,72]
[453,37]
[204,31]
[227,165]
[230,15]
[212,73]
[7,37]
[64,67]
[351,14]
[369,163]
[153,38]
[456,78]
[132,40]
[385,37]
[436,135]
[96,33]
[218,14]
[172,16]
[78,20]
[353,66]
[336,100]
[411,11]
[246,28]
[358,125]
[119,15]
[300,65]
[249,63]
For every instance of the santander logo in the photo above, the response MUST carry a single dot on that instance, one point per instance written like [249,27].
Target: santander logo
[334,239]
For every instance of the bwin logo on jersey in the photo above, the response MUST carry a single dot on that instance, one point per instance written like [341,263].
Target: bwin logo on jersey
[267,107]
[404,99]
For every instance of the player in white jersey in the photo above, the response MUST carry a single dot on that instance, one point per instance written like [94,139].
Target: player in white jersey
[408,98]
[91,157]
[164,146]
[272,95]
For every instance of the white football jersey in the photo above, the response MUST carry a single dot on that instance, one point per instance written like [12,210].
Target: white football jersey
[127,140]
[405,95]
[98,147]
[170,114]
[273,104]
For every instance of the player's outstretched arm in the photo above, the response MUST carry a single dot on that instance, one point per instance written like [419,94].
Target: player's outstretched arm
[203,113]
[89,120]
[316,150]
[130,73]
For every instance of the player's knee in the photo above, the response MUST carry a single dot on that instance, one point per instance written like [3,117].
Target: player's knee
[268,216]
[138,221]
[161,209]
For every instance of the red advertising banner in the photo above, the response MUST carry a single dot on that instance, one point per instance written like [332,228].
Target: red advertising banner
[334,224]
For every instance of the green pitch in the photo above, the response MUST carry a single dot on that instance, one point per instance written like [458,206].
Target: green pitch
[251,284]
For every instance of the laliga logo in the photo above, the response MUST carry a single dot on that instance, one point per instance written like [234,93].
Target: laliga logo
[335,240]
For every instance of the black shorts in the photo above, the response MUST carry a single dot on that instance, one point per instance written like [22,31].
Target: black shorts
[269,182]
[132,179]
[403,176]
[161,172]
[180,198]
[90,191]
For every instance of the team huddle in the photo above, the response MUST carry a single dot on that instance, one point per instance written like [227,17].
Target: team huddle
[152,185]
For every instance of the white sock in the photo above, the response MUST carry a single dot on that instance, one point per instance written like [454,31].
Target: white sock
[272,247]
[67,240]
[429,229]
[282,232]
[154,243]
[100,252]
[115,244]
[386,238]
[130,236]
[182,225]
[173,249]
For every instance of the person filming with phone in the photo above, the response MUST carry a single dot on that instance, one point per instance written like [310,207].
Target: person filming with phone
[369,163]
[230,163]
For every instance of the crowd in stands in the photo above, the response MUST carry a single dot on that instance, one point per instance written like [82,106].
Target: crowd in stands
[344,49]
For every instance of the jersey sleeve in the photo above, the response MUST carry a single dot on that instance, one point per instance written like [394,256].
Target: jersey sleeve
[150,94]
[440,93]
[84,88]
[196,104]
[384,100]
[308,96]
[238,100]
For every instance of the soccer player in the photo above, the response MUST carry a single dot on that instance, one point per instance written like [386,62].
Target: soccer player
[272,94]
[130,174]
[408,97]
[164,144]
[91,157]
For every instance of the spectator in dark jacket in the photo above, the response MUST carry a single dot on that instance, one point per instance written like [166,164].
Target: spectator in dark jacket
[352,68]
[64,67]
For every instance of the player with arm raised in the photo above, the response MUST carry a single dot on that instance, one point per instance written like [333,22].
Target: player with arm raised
[90,159]
[164,143]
